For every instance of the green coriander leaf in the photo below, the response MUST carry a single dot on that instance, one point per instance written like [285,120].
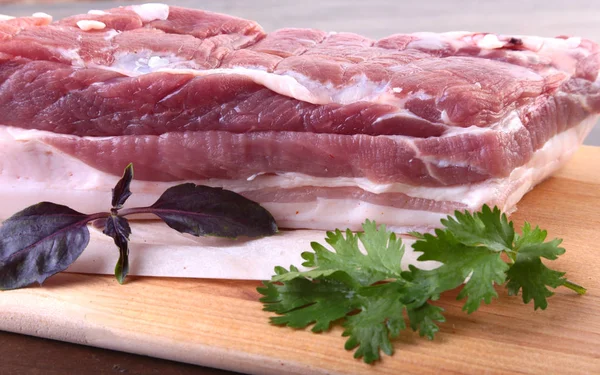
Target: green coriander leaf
[366,289]
[312,275]
[530,245]
[382,259]
[383,248]
[489,228]
[492,269]
[345,284]
[423,319]
[416,234]
[482,266]
[379,319]
[528,273]
[302,302]
[420,288]
[533,277]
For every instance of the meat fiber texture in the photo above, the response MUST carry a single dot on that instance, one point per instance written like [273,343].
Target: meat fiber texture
[324,129]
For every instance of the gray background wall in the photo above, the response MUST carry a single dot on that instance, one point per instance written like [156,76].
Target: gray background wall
[377,18]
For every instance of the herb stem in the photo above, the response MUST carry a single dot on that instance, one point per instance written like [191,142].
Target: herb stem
[96,216]
[511,255]
[136,210]
[575,287]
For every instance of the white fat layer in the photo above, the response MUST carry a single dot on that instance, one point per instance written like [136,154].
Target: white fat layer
[360,88]
[427,41]
[4,17]
[291,84]
[573,42]
[110,34]
[281,84]
[157,62]
[145,61]
[97,12]
[445,118]
[73,55]
[490,41]
[545,161]
[384,96]
[151,11]
[403,113]
[510,123]
[157,250]
[52,173]
[41,15]
[87,25]
[558,52]
[327,214]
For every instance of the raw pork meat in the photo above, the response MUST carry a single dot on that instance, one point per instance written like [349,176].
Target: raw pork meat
[323,129]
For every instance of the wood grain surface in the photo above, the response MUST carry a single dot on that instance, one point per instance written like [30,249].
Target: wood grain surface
[219,323]
[29,355]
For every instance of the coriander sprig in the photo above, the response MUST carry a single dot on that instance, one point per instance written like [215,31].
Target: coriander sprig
[369,292]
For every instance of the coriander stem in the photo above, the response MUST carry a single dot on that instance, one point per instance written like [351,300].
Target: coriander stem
[512,256]
[575,287]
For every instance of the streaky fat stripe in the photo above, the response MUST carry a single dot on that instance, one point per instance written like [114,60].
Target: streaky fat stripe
[57,177]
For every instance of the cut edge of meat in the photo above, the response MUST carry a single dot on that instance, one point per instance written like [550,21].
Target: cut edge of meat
[89,189]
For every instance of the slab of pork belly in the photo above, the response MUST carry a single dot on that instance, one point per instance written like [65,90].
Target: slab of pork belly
[324,129]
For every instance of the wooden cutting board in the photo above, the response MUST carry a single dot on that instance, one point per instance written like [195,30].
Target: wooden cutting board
[220,323]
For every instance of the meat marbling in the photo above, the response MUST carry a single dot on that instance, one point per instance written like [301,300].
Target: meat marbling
[324,129]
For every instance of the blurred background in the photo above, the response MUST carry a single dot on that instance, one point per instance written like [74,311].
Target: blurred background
[378,18]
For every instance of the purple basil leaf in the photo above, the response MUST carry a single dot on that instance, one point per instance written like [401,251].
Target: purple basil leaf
[39,242]
[118,228]
[208,211]
[122,266]
[121,191]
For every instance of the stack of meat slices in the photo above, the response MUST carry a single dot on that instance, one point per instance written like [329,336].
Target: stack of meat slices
[323,129]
